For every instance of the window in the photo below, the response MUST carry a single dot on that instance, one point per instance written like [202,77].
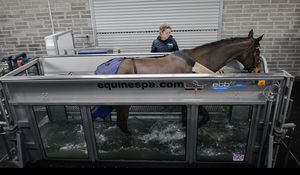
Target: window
[61,131]
[224,137]
[159,133]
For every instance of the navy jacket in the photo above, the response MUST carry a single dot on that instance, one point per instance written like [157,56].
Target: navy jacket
[168,45]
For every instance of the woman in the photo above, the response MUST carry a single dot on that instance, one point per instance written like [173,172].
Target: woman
[164,42]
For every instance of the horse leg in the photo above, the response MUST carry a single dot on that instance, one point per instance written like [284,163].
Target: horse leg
[203,116]
[122,117]
[108,119]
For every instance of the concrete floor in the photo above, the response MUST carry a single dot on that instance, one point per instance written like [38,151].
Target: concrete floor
[281,163]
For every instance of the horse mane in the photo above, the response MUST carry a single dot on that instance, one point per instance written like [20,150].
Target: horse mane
[221,42]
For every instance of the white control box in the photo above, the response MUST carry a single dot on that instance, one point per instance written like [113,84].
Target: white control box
[60,43]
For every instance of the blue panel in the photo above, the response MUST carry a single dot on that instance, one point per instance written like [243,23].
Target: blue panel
[93,51]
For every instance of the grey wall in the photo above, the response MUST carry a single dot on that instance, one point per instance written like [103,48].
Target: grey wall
[279,20]
[25,23]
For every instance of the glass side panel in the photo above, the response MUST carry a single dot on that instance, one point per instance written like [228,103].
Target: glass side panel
[224,136]
[158,133]
[61,131]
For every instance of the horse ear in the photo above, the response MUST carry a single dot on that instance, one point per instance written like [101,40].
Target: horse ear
[259,38]
[250,35]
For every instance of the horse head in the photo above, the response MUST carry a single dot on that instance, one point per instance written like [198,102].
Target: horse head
[250,58]
[217,54]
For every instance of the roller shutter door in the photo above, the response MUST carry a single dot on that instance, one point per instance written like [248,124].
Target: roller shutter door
[132,25]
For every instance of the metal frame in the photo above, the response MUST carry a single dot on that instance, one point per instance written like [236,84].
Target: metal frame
[59,88]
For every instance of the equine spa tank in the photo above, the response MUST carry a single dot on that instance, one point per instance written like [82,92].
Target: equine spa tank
[46,104]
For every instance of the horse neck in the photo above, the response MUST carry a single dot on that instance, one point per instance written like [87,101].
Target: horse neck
[214,57]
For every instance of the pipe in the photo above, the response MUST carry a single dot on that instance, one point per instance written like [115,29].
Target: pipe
[264,61]
[270,152]
[50,15]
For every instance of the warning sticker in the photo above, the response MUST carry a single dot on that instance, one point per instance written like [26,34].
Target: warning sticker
[238,157]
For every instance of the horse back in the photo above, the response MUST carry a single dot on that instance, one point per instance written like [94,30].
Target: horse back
[149,65]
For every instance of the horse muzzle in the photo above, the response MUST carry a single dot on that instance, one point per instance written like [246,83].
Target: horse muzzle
[258,69]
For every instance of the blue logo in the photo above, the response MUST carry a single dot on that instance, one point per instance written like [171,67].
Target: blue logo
[170,45]
[222,86]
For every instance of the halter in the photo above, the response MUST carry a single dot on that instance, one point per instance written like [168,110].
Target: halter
[253,66]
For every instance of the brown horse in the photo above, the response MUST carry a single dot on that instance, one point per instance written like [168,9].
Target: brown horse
[213,56]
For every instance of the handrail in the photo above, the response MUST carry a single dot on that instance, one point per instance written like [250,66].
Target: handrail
[3,123]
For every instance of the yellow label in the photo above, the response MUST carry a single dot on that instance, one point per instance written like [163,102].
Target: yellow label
[261,82]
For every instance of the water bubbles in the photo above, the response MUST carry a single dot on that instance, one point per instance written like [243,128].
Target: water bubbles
[228,126]
[159,137]
[74,147]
